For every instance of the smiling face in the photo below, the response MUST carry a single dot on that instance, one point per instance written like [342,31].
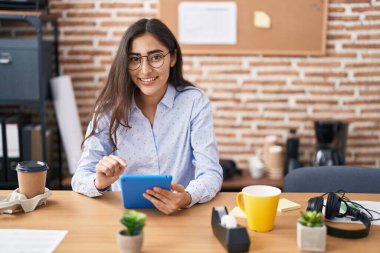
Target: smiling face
[151,81]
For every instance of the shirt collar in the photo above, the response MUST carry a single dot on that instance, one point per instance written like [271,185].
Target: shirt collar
[167,100]
[133,104]
[169,96]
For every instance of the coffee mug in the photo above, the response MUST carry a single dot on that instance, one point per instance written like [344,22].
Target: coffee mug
[256,167]
[31,178]
[260,206]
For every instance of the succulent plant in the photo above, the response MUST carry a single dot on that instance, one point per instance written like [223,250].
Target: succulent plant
[133,221]
[311,219]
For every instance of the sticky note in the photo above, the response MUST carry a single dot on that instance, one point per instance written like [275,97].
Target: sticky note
[261,20]
[238,213]
[285,205]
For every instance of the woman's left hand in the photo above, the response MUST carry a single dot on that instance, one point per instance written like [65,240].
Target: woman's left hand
[167,201]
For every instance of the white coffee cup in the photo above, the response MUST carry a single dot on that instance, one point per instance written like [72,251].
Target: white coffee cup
[256,167]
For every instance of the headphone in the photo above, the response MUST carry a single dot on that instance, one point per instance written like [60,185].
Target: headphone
[332,210]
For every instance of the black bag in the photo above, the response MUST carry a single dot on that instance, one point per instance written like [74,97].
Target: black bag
[229,168]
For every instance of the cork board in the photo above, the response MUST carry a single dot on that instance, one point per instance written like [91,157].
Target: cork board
[297,28]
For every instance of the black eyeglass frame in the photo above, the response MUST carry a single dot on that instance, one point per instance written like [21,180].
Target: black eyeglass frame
[146,56]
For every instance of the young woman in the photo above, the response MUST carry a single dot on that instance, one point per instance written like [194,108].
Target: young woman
[149,120]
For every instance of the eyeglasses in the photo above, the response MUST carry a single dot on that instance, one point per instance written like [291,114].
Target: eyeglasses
[155,60]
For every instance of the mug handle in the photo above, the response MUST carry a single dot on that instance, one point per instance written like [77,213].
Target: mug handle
[239,201]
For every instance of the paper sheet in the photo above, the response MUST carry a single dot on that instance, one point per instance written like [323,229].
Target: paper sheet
[373,205]
[12,137]
[1,143]
[207,22]
[68,119]
[31,241]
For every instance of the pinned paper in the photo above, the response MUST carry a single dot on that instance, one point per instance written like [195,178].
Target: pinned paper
[261,20]
[207,23]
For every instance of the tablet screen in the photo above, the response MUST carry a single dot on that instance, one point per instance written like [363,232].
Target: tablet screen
[133,187]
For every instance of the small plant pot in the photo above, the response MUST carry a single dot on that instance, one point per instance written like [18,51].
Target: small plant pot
[129,244]
[311,238]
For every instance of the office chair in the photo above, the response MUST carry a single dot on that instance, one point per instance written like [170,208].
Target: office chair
[333,178]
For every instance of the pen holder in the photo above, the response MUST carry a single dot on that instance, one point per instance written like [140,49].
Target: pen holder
[232,239]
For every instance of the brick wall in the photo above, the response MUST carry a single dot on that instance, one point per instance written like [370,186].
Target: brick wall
[252,96]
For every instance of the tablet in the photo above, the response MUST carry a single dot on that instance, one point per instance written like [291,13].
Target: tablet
[133,187]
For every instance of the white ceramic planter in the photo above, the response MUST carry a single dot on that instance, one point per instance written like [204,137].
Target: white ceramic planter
[311,238]
[130,244]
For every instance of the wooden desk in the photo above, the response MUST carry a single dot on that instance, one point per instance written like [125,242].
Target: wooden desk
[238,182]
[93,223]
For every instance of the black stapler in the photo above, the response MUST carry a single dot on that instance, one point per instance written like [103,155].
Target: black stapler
[234,240]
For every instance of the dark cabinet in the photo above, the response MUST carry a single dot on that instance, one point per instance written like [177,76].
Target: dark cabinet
[19,69]
[26,66]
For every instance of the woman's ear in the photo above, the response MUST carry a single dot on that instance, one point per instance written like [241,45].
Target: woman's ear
[173,58]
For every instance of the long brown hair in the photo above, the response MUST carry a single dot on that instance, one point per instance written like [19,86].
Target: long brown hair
[116,96]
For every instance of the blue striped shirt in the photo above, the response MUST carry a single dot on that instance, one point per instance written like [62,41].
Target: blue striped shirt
[181,143]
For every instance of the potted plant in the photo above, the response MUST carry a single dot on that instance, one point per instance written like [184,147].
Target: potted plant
[311,232]
[130,239]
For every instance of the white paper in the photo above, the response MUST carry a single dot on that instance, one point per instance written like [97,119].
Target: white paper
[207,22]
[31,241]
[373,205]
[68,119]
[1,142]
[13,142]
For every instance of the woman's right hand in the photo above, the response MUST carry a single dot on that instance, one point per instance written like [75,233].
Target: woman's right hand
[108,170]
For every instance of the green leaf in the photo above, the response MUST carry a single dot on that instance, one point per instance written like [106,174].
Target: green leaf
[311,219]
[133,221]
